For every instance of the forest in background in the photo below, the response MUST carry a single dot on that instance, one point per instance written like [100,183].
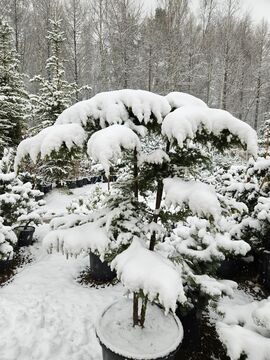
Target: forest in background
[219,54]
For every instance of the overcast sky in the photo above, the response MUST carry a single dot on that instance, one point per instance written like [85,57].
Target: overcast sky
[258,9]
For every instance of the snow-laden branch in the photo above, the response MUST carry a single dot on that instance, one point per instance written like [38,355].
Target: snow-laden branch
[200,198]
[141,269]
[106,145]
[73,241]
[189,121]
[180,99]
[49,140]
[117,107]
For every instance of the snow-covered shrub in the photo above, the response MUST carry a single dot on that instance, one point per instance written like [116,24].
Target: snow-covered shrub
[254,191]
[17,199]
[161,149]
[244,327]
[7,240]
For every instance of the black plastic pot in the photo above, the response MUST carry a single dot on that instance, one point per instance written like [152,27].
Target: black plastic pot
[71,184]
[107,354]
[45,188]
[80,182]
[39,197]
[237,268]
[24,235]
[100,271]
[85,181]
[5,265]
[191,321]
[263,266]
[117,353]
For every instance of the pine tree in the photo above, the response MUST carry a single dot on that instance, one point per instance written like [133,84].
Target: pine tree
[14,101]
[55,93]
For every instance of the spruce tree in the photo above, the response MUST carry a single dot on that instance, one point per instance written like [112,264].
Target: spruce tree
[14,102]
[55,93]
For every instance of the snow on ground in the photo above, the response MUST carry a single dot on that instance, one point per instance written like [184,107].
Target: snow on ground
[44,313]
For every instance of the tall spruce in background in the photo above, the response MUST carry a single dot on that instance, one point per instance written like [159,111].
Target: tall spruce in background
[264,137]
[55,94]
[14,101]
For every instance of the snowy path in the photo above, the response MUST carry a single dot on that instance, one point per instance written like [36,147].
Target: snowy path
[46,315]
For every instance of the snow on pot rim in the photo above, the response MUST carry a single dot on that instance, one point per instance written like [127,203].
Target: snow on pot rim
[161,335]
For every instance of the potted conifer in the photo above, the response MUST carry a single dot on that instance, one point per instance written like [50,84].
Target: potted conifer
[161,253]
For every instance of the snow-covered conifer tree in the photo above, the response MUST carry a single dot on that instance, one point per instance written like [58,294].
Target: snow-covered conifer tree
[17,200]
[165,230]
[55,93]
[14,100]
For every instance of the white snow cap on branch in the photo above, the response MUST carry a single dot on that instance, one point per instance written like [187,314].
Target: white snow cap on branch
[82,238]
[179,99]
[199,197]
[141,269]
[50,139]
[157,156]
[184,123]
[113,107]
[105,145]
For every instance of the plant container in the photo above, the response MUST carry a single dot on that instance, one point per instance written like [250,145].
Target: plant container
[191,321]
[39,197]
[24,235]
[5,265]
[80,183]
[263,266]
[100,270]
[95,179]
[158,340]
[85,181]
[45,188]
[238,267]
[71,184]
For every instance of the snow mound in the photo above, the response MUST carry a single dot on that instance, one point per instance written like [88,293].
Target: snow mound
[141,269]
[83,238]
[105,145]
[200,198]
[49,140]
[186,122]
[180,99]
[114,107]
